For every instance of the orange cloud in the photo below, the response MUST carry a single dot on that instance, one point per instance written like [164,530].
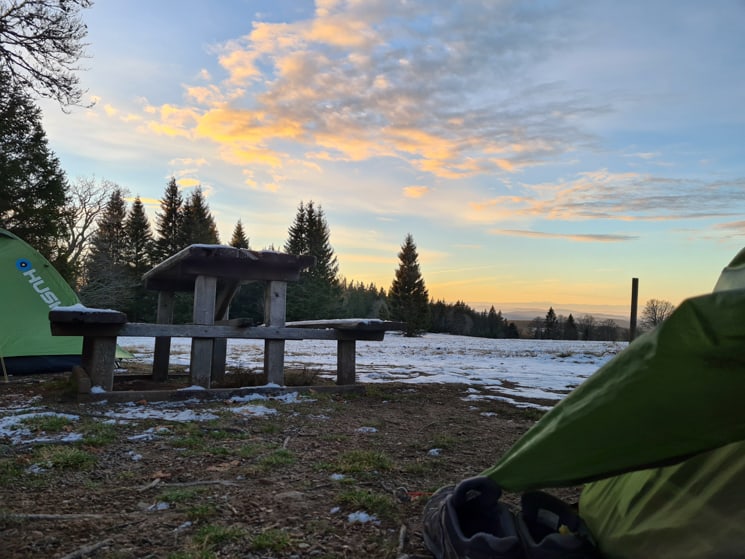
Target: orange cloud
[225,126]
[580,237]
[415,191]
[240,65]
[237,155]
[341,31]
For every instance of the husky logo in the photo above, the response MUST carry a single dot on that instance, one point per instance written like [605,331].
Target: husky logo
[37,282]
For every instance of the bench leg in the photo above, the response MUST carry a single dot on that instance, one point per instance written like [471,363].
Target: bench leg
[275,299]
[274,361]
[162,351]
[98,360]
[345,362]
[205,288]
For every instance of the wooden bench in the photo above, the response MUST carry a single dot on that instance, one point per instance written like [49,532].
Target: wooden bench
[100,329]
[346,333]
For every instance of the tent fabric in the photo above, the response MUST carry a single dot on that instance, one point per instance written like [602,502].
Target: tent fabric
[690,510]
[30,288]
[674,392]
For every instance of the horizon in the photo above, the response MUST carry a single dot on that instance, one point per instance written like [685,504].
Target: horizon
[539,156]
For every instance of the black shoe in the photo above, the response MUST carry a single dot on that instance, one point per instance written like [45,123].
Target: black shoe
[468,521]
[550,529]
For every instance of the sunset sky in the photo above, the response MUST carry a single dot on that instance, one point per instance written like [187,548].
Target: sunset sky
[541,153]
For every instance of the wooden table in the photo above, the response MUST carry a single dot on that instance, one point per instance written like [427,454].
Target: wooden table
[214,274]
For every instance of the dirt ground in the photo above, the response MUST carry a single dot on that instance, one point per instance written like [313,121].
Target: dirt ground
[280,485]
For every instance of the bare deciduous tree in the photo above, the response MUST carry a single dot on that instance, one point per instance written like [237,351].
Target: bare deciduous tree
[655,312]
[41,42]
[86,200]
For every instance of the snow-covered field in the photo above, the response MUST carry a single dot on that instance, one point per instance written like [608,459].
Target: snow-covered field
[517,371]
[546,369]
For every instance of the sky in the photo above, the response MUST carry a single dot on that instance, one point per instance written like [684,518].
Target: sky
[541,153]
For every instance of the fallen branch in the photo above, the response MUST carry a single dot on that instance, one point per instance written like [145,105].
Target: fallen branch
[41,516]
[86,549]
[150,485]
[204,482]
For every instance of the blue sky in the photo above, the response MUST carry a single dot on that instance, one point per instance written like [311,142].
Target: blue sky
[541,153]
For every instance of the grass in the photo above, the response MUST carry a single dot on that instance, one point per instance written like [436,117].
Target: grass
[181,495]
[272,540]
[212,536]
[98,433]
[444,441]
[10,471]
[380,505]
[281,457]
[63,457]
[201,511]
[363,461]
[197,440]
[51,423]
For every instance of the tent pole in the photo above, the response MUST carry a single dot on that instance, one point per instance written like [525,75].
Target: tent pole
[5,372]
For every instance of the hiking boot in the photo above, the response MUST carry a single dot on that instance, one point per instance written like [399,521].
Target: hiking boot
[468,521]
[550,529]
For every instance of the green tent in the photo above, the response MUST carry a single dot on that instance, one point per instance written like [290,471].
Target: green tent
[656,434]
[30,287]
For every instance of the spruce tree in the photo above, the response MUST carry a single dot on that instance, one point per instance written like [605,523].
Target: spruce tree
[571,332]
[32,185]
[408,297]
[139,236]
[495,327]
[108,281]
[197,223]
[136,255]
[550,325]
[249,301]
[317,294]
[239,238]
[168,223]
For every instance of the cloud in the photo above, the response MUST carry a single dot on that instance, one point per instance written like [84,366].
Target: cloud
[581,237]
[737,228]
[604,195]
[415,191]
[369,80]
[197,162]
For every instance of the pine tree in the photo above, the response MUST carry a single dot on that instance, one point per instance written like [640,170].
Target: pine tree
[297,235]
[197,223]
[318,293]
[168,223]
[249,301]
[138,248]
[571,332]
[408,297]
[550,325]
[108,281]
[495,324]
[32,185]
[239,238]
[136,256]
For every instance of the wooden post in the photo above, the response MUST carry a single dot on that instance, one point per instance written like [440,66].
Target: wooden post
[275,301]
[222,312]
[204,313]
[345,361]
[162,350]
[98,360]
[634,305]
